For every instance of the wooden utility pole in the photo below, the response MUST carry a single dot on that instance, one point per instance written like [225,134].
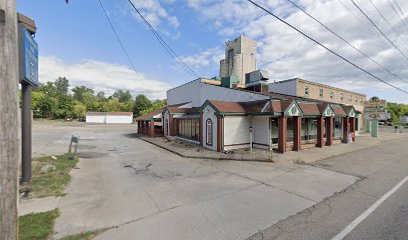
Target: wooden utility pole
[9,146]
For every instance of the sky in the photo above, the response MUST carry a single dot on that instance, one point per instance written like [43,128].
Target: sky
[76,41]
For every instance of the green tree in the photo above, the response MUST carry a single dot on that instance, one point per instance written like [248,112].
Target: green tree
[141,103]
[79,109]
[61,85]
[47,106]
[36,98]
[48,89]
[123,96]
[101,97]
[157,104]
[64,106]
[112,105]
[80,91]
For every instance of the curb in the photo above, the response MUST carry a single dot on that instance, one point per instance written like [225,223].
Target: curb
[205,157]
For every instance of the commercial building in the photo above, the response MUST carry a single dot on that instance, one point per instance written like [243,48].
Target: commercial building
[321,92]
[240,109]
[109,117]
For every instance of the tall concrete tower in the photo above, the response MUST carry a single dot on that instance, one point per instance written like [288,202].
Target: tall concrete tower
[240,58]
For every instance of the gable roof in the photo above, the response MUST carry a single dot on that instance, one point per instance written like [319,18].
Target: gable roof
[151,115]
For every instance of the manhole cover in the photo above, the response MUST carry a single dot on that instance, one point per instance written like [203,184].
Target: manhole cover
[91,154]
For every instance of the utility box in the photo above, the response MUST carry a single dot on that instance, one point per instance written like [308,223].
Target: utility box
[229,82]
[255,76]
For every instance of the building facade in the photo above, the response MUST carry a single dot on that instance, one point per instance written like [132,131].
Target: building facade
[239,109]
[109,117]
[240,58]
[321,92]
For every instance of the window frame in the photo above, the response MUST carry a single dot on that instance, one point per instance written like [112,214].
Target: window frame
[307,90]
[209,140]
[321,92]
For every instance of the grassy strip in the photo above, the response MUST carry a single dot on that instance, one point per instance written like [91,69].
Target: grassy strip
[84,236]
[51,183]
[37,226]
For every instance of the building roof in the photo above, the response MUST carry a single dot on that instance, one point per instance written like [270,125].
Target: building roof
[109,114]
[151,115]
[182,110]
[310,108]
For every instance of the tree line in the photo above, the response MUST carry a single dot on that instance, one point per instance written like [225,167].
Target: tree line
[54,100]
[396,111]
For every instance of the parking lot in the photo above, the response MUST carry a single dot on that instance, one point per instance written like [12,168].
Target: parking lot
[136,189]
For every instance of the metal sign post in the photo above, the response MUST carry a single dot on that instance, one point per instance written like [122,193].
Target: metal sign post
[74,140]
[28,75]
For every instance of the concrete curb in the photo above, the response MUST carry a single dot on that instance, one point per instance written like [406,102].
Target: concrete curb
[204,157]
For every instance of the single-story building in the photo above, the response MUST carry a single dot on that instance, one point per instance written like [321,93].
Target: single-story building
[280,124]
[109,117]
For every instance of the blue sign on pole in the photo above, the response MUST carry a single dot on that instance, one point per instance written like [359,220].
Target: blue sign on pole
[28,57]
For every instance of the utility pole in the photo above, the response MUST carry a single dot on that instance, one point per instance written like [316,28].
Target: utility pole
[9,145]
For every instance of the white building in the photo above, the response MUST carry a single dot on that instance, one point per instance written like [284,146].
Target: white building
[109,117]
[237,110]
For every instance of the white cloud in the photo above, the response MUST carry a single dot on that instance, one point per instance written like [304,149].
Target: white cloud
[155,13]
[287,54]
[207,58]
[101,76]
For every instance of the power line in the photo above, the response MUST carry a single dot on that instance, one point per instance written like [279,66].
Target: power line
[344,40]
[382,16]
[117,36]
[379,30]
[328,49]
[164,44]
[398,11]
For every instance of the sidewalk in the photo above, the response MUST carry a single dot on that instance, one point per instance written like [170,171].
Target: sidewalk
[305,156]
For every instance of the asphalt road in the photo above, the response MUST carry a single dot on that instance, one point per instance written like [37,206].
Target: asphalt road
[380,170]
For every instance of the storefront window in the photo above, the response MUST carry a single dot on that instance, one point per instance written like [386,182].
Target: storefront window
[309,129]
[275,130]
[189,128]
[338,128]
[289,132]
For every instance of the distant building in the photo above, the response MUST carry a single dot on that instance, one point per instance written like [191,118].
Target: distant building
[404,119]
[109,117]
[321,92]
[222,113]
[240,58]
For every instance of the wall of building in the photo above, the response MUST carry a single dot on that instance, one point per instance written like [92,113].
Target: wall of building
[189,92]
[227,94]
[287,87]
[119,119]
[261,132]
[236,132]
[338,95]
[95,119]
[197,93]
[209,113]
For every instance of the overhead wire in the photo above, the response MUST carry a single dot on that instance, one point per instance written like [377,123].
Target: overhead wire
[379,30]
[168,49]
[383,17]
[343,39]
[117,36]
[328,49]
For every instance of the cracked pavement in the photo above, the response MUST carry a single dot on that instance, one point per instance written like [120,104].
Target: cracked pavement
[140,191]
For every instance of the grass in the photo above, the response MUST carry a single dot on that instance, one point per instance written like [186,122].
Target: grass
[37,226]
[53,182]
[84,236]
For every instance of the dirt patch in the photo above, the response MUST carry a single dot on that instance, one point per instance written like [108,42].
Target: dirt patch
[91,154]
